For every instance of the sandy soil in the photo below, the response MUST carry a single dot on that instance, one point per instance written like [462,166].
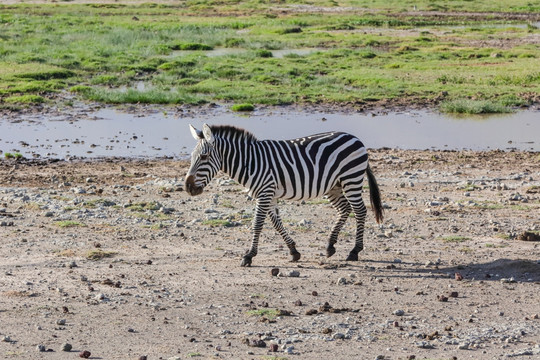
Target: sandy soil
[113,258]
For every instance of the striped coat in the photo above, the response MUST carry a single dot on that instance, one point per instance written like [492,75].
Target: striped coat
[331,164]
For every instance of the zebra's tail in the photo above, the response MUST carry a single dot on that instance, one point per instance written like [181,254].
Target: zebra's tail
[375,196]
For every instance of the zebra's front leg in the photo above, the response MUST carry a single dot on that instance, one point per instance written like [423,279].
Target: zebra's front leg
[342,206]
[278,225]
[261,209]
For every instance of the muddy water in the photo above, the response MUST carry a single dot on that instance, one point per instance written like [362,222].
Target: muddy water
[111,132]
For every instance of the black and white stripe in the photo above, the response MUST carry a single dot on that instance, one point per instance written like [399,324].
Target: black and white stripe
[332,164]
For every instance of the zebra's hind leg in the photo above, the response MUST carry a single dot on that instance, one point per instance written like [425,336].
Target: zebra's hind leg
[359,210]
[261,210]
[278,225]
[341,204]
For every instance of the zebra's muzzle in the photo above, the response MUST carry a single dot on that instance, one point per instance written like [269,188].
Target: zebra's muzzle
[191,188]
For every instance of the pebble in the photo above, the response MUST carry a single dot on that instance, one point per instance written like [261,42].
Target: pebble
[399,312]
[66,347]
[425,345]
[41,348]
[341,281]
[294,273]
[289,350]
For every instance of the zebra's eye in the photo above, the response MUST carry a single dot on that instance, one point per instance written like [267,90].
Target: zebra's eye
[204,157]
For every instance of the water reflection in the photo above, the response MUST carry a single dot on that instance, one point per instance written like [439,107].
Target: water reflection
[110,132]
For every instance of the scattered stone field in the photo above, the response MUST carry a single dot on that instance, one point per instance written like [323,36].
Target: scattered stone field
[111,257]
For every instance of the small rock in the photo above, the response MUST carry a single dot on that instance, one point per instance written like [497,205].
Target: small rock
[399,312]
[458,276]
[424,345]
[528,236]
[338,336]
[41,348]
[294,273]
[61,322]
[257,343]
[274,272]
[341,281]
[442,298]
[85,354]
[67,347]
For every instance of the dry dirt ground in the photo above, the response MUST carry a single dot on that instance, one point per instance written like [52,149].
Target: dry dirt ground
[114,258]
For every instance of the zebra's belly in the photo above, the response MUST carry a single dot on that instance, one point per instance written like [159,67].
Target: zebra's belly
[308,189]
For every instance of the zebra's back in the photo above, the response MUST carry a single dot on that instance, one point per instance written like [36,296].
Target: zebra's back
[311,166]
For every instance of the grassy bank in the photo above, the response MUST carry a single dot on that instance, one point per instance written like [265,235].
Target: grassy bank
[359,52]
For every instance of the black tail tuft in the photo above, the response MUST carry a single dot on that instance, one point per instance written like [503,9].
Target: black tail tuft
[375,196]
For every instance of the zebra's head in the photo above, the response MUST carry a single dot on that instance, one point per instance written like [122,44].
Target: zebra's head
[205,161]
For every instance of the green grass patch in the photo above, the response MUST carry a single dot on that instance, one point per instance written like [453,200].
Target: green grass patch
[143,206]
[266,312]
[99,254]
[494,246]
[191,46]
[218,223]
[243,107]
[69,224]
[91,204]
[100,53]
[454,239]
[24,99]
[16,156]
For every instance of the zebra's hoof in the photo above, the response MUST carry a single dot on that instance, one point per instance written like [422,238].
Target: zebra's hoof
[246,261]
[295,257]
[330,251]
[352,257]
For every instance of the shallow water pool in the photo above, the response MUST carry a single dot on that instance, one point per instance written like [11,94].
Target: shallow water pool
[112,132]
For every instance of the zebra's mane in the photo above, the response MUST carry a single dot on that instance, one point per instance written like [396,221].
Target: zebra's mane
[228,131]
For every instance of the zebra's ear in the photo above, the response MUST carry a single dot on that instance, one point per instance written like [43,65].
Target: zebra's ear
[207,132]
[197,134]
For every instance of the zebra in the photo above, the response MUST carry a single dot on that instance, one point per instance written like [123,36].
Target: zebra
[331,164]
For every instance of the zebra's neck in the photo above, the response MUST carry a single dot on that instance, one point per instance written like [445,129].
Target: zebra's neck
[238,154]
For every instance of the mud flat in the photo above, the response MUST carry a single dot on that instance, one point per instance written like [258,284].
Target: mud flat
[114,258]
